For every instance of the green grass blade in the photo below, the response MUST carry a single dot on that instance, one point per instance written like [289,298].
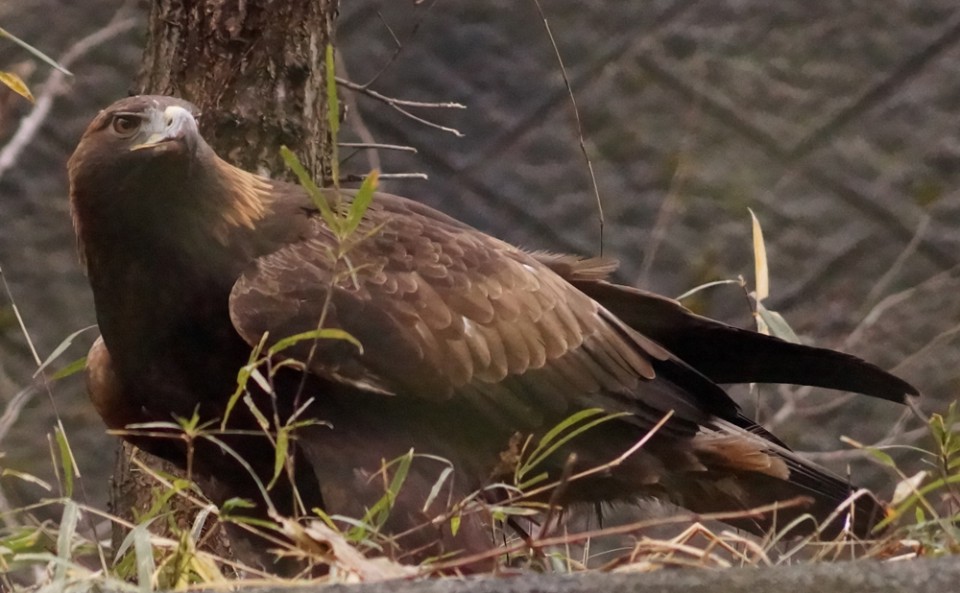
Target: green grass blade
[316,334]
[67,462]
[60,349]
[146,567]
[68,528]
[36,52]
[71,369]
[280,455]
[705,286]
[570,428]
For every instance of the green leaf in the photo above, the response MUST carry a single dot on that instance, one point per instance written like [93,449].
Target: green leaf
[232,504]
[319,200]
[243,375]
[361,202]
[333,112]
[530,482]
[777,324]
[316,334]
[67,462]
[71,369]
[573,426]
[454,525]
[280,455]
[568,422]
[378,514]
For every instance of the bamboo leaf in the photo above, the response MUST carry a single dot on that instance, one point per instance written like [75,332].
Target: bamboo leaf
[16,84]
[67,461]
[777,325]
[760,260]
[319,200]
[361,202]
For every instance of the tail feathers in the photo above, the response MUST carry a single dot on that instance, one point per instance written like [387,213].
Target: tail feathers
[728,354]
[744,471]
[810,509]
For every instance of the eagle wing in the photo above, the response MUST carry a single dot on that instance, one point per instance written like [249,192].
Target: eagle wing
[442,310]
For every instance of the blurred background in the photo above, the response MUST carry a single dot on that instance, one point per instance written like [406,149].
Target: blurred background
[836,123]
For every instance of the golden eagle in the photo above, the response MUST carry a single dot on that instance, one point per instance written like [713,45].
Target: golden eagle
[466,341]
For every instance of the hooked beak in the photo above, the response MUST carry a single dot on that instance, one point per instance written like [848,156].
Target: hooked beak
[172,124]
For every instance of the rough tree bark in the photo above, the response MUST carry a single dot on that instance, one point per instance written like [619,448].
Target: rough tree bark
[255,69]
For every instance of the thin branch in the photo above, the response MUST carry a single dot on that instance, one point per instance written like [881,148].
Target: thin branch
[891,274]
[375,146]
[354,178]
[396,51]
[394,101]
[354,118]
[399,104]
[576,114]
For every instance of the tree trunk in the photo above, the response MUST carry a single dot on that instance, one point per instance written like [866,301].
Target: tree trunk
[255,68]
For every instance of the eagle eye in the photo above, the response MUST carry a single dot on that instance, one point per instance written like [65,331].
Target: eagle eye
[125,125]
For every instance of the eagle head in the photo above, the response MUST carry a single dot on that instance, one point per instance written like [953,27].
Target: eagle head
[143,169]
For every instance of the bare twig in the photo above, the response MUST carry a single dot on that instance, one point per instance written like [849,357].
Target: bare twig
[376,146]
[576,115]
[354,118]
[354,178]
[668,208]
[396,50]
[399,104]
[393,101]
[396,40]
[891,274]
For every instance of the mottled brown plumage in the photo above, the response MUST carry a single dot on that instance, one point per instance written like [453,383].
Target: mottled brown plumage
[466,341]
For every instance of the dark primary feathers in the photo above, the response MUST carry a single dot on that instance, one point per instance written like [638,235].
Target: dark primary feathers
[466,341]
